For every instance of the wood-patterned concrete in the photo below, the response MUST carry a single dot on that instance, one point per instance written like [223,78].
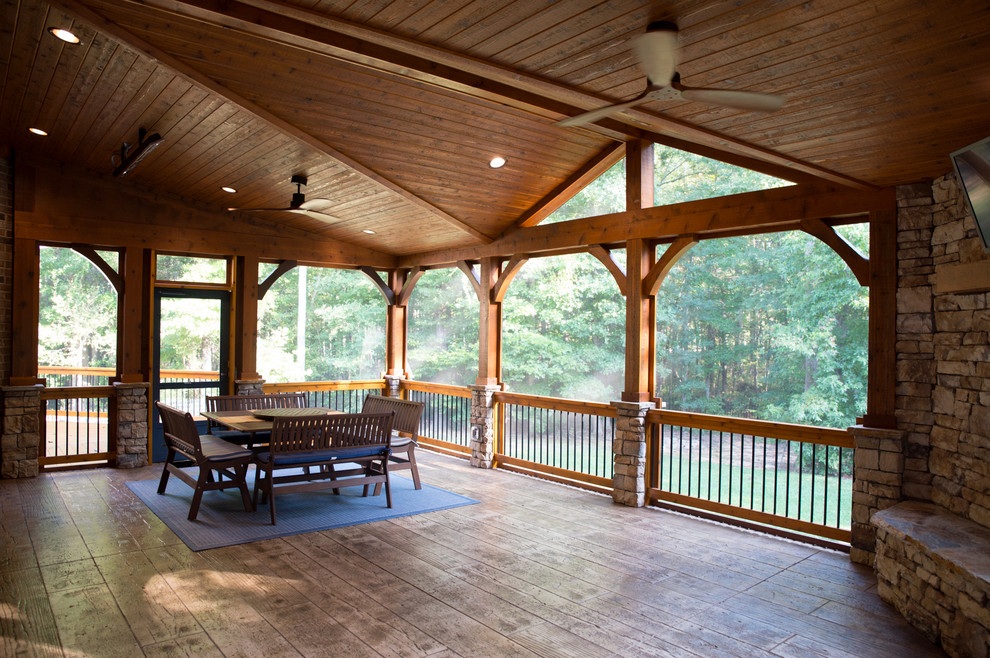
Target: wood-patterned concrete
[534,569]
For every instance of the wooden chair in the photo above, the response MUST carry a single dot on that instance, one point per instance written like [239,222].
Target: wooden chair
[208,453]
[405,431]
[216,403]
[318,445]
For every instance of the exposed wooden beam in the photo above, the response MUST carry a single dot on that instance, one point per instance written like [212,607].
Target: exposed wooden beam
[102,24]
[411,279]
[470,271]
[852,256]
[394,54]
[738,214]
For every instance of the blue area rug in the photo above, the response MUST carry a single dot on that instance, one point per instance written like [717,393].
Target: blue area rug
[222,520]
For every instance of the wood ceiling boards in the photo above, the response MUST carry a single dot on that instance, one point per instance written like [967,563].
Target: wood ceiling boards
[393,109]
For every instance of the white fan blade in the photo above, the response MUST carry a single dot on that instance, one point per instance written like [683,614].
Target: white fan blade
[740,100]
[314,214]
[317,205]
[657,52]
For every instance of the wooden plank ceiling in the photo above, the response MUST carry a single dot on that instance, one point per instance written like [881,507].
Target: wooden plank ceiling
[394,108]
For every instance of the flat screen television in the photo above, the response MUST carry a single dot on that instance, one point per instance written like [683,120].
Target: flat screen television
[972,165]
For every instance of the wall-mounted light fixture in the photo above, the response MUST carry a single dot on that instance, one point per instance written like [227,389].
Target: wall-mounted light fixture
[129,158]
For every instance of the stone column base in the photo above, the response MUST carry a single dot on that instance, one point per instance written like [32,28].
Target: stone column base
[249,386]
[132,424]
[483,425]
[629,453]
[392,385]
[878,473]
[20,444]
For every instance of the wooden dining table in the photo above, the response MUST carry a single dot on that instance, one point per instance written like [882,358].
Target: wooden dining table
[254,421]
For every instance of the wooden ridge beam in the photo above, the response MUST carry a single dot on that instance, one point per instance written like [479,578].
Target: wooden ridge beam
[738,214]
[384,52]
[106,26]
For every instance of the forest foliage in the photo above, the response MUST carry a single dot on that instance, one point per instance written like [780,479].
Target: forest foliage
[770,326]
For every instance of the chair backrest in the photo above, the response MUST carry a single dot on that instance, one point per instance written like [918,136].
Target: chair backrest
[262,401]
[216,403]
[407,412]
[305,433]
[180,432]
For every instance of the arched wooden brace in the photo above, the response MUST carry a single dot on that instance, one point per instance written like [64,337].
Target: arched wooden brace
[506,274]
[113,277]
[660,269]
[396,291]
[605,256]
[468,267]
[857,262]
[282,268]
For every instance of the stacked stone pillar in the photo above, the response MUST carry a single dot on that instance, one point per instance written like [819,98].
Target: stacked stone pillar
[393,385]
[132,424]
[249,386]
[629,453]
[878,481]
[483,425]
[20,444]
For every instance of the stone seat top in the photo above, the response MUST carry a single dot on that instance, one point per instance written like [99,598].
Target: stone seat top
[961,542]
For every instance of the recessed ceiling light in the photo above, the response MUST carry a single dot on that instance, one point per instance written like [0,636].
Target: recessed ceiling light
[227,188]
[368,231]
[497,162]
[64,35]
[38,131]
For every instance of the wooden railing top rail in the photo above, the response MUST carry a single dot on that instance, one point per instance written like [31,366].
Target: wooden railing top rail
[829,436]
[110,372]
[557,404]
[74,392]
[349,385]
[430,387]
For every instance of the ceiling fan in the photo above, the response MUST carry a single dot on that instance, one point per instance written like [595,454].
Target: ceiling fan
[658,57]
[299,204]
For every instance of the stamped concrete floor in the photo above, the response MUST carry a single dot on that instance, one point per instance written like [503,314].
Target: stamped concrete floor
[534,569]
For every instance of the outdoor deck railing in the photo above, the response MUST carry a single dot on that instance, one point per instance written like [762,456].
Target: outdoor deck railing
[566,440]
[346,396]
[75,426]
[446,421]
[795,477]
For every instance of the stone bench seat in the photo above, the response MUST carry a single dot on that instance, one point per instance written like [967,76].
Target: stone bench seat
[934,567]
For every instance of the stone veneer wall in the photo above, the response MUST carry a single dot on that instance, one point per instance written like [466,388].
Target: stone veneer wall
[943,351]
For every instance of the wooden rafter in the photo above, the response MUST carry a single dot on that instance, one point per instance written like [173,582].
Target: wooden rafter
[397,55]
[589,171]
[99,23]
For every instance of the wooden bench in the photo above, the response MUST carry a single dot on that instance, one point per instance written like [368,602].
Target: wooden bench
[405,431]
[934,567]
[316,447]
[216,403]
[208,453]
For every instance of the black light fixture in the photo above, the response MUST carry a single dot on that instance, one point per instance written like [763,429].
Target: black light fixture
[129,158]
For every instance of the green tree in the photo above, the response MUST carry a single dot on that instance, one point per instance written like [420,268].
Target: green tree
[442,344]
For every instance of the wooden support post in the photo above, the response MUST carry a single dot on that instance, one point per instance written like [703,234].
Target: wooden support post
[396,328]
[133,309]
[489,326]
[882,369]
[25,300]
[640,255]
[246,294]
